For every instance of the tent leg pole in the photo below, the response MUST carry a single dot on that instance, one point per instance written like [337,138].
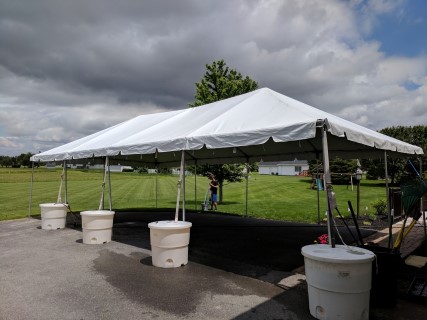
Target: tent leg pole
[157,185]
[195,185]
[109,186]
[328,185]
[178,194]
[318,192]
[59,198]
[31,189]
[387,191]
[247,188]
[101,202]
[422,199]
[65,183]
[183,192]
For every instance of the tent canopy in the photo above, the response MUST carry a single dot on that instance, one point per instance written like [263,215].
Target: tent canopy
[260,125]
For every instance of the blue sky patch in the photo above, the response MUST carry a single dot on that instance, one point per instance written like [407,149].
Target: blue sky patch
[402,32]
[411,86]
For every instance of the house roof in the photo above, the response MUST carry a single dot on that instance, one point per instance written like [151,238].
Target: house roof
[276,163]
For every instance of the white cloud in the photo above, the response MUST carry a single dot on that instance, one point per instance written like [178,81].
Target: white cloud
[8,143]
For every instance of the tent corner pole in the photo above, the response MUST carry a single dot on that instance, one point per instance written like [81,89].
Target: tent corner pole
[109,184]
[195,185]
[317,190]
[59,198]
[157,185]
[387,191]
[422,199]
[101,202]
[178,194]
[65,183]
[328,184]
[183,189]
[247,188]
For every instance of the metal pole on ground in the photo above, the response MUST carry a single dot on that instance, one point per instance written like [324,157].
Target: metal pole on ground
[31,189]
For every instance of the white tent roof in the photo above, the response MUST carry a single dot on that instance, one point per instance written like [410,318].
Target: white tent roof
[260,125]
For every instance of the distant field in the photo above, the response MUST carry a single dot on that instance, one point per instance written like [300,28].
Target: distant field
[270,197]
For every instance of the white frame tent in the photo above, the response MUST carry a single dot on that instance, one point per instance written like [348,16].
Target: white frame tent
[260,125]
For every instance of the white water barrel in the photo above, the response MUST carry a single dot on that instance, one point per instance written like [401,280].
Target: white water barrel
[97,226]
[339,281]
[169,243]
[53,215]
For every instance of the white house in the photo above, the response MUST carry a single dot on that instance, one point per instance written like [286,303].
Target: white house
[284,168]
[113,168]
[119,168]
[177,171]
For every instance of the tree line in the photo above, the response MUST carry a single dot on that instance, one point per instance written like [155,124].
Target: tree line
[399,169]
[23,160]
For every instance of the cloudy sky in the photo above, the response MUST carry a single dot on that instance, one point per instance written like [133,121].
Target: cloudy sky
[71,68]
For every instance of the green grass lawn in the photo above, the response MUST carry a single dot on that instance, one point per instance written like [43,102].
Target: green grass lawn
[270,197]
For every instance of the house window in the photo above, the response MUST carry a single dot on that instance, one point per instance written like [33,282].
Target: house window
[298,168]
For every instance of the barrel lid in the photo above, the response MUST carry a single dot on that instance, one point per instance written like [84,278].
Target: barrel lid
[169,224]
[97,213]
[339,254]
[55,205]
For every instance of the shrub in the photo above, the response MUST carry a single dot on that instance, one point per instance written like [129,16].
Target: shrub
[380,207]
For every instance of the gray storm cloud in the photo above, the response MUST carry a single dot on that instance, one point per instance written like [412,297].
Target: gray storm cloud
[70,68]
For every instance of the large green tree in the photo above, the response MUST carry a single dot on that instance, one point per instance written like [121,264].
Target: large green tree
[224,173]
[24,159]
[221,82]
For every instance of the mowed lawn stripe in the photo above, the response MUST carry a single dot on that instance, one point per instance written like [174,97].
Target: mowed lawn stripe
[271,197]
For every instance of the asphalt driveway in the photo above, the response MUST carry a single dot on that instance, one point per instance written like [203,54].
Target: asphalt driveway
[52,275]
[239,268]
